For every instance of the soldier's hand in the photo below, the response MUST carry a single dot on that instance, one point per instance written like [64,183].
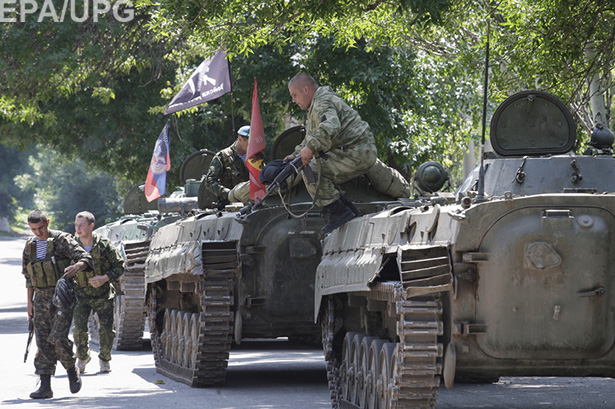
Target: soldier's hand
[97,281]
[289,158]
[306,155]
[72,270]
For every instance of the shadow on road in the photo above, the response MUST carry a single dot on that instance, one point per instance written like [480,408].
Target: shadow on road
[11,262]
[531,392]
[14,320]
[261,364]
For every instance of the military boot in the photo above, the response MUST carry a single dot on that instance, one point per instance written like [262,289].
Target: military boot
[350,205]
[74,380]
[44,391]
[339,214]
[81,363]
[105,366]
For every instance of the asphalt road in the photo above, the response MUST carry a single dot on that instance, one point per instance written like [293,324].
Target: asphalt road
[261,374]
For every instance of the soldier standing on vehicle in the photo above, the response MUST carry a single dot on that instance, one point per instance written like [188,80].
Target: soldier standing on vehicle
[344,142]
[95,292]
[46,258]
[228,175]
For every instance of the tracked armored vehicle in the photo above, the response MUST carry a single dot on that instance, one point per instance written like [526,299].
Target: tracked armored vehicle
[131,235]
[218,277]
[513,278]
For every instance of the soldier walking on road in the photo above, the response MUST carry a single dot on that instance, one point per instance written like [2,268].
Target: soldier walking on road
[95,292]
[46,258]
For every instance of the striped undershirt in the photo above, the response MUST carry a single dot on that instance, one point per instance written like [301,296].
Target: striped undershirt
[41,248]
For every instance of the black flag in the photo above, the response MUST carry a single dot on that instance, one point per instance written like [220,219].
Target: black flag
[211,80]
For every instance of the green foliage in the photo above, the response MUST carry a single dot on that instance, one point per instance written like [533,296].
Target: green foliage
[412,68]
[65,186]
[244,26]
[43,61]
[96,91]
[83,88]
[13,163]
[541,45]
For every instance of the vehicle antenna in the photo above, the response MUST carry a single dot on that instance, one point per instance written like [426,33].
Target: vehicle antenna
[481,171]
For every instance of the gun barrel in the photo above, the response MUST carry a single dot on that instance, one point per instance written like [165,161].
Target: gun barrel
[180,204]
[30,335]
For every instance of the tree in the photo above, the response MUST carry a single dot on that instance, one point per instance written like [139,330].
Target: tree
[242,27]
[564,47]
[65,186]
[413,69]
[13,162]
[62,91]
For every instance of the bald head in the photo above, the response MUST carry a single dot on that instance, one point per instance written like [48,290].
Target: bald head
[302,88]
[303,80]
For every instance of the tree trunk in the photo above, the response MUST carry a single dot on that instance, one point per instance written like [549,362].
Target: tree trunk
[596,95]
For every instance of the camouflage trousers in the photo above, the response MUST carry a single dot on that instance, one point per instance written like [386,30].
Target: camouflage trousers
[240,193]
[341,165]
[103,307]
[51,328]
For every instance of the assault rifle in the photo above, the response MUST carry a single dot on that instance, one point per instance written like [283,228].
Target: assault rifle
[293,167]
[30,335]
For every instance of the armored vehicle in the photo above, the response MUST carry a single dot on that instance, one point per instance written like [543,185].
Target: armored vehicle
[131,235]
[216,277]
[513,278]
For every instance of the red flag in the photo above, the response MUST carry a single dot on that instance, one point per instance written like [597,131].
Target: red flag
[210,80]
[155,184]
[256,146]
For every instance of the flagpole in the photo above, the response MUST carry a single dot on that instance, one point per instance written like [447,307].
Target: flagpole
[230,78]
[233,114]
[176,126]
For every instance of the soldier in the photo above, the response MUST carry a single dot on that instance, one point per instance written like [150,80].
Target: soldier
[228,176]
[46,257]
[336,130]
[95,292]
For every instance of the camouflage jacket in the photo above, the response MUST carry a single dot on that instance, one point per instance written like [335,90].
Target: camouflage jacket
[107,260]
[226,170]
[41,273]
[332,124]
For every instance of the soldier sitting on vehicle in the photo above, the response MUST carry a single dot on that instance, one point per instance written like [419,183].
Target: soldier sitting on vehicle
[336,131]
[228,176]
[345,144]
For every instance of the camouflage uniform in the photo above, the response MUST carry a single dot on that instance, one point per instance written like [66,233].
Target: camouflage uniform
[336,129]
[226,170]
[50,325]
[107,260]
[240,193]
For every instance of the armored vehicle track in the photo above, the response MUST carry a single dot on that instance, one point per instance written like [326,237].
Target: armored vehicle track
[194,343]
[371,372]
[129,307]
[130,304]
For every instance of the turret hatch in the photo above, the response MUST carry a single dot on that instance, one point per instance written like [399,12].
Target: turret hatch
[532,123]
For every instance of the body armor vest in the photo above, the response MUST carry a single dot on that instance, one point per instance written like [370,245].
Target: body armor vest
[100,268]
[42,272]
